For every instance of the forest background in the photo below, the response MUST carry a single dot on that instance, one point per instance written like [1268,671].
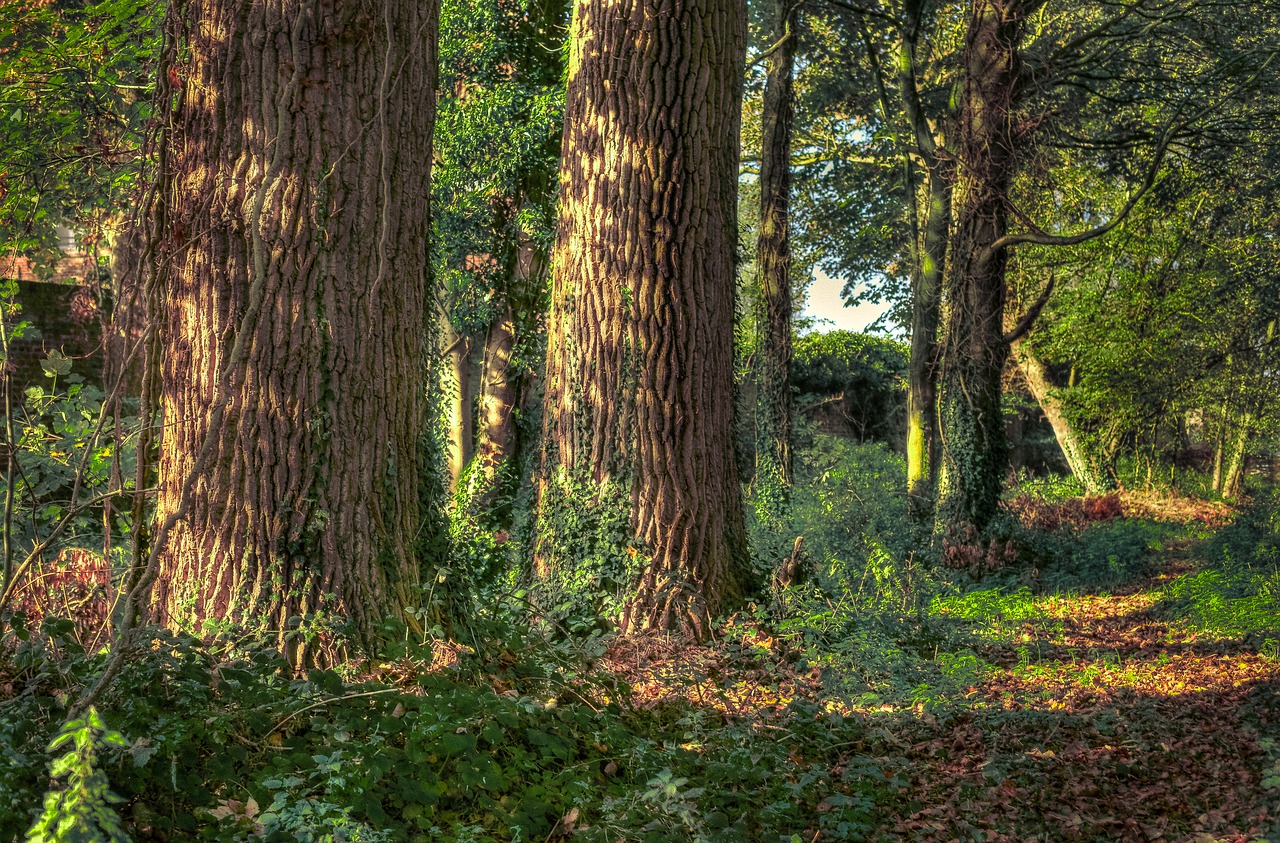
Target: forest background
[457,469]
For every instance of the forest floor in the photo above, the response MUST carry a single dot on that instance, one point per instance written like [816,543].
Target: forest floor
[1117,678]
[1078,716]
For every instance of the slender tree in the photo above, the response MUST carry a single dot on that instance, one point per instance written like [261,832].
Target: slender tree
[1074,449]
[774,462]
[294,469]
[640,357]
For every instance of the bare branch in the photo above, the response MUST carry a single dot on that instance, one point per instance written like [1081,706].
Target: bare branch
[1028,319]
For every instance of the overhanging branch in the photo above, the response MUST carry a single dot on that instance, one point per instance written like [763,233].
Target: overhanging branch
[1028,319]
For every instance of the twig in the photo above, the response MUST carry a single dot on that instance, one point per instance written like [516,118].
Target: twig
[321,703]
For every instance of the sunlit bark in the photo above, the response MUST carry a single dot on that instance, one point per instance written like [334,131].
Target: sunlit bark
[640,359]
[296,327]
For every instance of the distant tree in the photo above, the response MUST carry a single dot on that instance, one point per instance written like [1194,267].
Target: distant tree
[297,488]
[1164,335]
[774,460]
[640,358]
[501,111]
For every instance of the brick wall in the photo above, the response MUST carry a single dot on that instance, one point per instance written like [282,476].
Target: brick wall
[64,309]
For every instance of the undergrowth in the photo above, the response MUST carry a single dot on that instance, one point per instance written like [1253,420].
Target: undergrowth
[224,746]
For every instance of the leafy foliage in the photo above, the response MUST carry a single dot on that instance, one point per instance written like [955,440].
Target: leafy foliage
[81,811]
[74,102]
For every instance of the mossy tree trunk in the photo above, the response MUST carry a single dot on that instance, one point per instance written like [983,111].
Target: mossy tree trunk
[295,467]
[974,447]
[774,461]
[928,140]
[640,358]
[922,373]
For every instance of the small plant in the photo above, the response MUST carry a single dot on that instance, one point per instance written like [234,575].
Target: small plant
[80,812]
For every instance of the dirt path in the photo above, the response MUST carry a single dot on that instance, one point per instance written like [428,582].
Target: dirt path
[1087,717]
[1106,718]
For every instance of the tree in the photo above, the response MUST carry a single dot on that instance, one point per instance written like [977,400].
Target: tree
[1121,85]
[296,466]
[494,191]
[1163,336]
[640,357]
[774,462]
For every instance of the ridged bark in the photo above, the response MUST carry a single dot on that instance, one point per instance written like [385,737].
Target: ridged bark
[975,450]
[640,357]
[774,461]
[297,325]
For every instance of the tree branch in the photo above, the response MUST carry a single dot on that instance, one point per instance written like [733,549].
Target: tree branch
[1028,319]
[875,12]
[1040,237]
[755,61]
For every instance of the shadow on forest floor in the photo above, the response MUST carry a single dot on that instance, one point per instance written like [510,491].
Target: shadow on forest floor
[1070,716]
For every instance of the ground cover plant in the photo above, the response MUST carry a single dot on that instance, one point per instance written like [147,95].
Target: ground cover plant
[1118,681]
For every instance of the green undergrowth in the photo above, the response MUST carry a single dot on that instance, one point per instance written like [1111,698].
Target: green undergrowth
[515,746]
[1236,592]
[863,614]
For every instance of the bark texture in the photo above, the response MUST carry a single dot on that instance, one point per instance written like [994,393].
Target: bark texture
[640,356]
[974,447]
[774,461]
[297,325]
[922,373]
[1095,481]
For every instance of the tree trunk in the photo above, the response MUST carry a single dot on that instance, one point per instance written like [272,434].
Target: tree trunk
[1219,449]
[974,446]
[1233,480]
[774,462]
[640,356]
[926,309]
[1095,482]
[499,393]
[460,400]
[929,258]
[297,328]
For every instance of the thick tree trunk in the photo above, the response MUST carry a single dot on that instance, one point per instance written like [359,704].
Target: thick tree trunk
[640,357]
[1095,482]
[297,324]
[774,462]
[973,441]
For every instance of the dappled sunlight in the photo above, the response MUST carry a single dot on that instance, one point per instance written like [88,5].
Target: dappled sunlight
[748,674]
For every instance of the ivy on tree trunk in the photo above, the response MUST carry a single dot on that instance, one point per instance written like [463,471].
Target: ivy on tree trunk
[296,471]
[640,358]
